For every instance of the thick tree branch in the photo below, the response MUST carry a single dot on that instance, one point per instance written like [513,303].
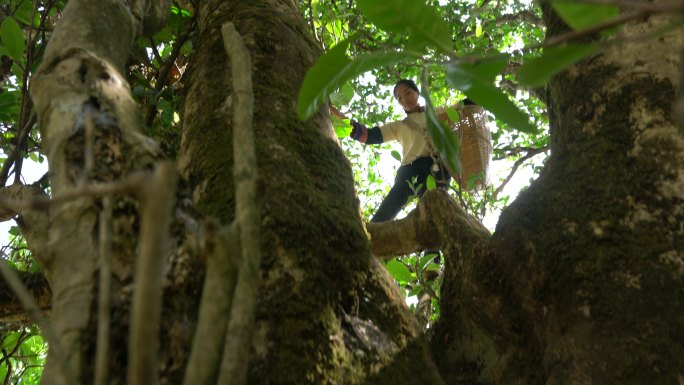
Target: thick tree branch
[420,229]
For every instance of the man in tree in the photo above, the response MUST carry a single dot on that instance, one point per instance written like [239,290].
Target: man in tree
[419,159]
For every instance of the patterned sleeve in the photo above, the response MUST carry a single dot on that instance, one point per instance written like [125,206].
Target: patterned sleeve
[363,134]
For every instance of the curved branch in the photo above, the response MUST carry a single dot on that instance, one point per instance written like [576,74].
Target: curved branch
[437,220]
[531,153]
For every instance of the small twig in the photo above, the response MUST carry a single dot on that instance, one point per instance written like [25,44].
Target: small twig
[514,169]
[155,51]
[26,300]
[10,161]
[103,319]
[223,247]
[247,214]
[158,198]
[508,152]
[8,375]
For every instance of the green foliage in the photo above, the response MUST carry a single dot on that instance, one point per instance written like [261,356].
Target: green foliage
[342,127]
[584,15]
[414,17]
[442,136]
[419,278]
[431,184]
[26,351]
[343,96]
[399,271]
[537,71]
[333,70]
[12,38]
[477,83]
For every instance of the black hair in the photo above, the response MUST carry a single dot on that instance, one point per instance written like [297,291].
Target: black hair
[406,82]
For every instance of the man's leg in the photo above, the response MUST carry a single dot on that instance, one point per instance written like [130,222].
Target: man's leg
[397,197]
[393,202]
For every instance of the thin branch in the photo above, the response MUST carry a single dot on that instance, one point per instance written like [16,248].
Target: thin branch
[247,214]
[103,319]
[640,12]
[508,152]
[514,169]
[8,375]
[223,249]
[10,161]
[49,332]
[155,51]
[524,16]
[158,198]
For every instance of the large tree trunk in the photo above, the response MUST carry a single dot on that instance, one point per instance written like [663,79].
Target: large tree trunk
[582,281]
[327,311]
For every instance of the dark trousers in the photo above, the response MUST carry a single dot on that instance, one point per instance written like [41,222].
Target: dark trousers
[401,191]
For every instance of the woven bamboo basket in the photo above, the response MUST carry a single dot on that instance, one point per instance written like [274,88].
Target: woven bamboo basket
[476,147]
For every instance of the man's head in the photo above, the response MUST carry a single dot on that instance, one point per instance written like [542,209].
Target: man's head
[407,93]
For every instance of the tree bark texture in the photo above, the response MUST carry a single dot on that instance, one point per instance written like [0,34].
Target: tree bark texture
[582,281]
[92,132]
[327,311]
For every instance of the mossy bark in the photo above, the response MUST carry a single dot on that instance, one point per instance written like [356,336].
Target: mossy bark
[327,312]
[587,264]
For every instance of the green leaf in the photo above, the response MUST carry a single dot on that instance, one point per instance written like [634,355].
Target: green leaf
[584,15]
[481,90]
[537,71]
[12,38]
[444,139]
[24,12]
[485,70]
[11,340]
[35,267]
[333,70]
[431,183]
[14,230]
[342,126]
[396,155]
[414,17]
[343,96]
[399,271]
[453,114]
[425,260]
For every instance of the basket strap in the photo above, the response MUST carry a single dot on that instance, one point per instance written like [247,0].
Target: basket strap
[431,148]
[436,160]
